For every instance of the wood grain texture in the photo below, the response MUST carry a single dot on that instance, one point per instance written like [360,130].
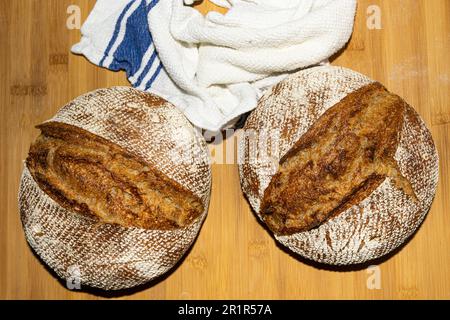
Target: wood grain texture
[234,256]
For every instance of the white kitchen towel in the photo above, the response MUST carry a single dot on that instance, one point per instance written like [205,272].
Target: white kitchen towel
[215,67]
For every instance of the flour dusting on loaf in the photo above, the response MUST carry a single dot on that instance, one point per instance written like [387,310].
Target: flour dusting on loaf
[111,256]
[373,227]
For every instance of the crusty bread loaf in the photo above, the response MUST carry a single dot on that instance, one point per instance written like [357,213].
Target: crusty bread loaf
[341,170]
[117,186]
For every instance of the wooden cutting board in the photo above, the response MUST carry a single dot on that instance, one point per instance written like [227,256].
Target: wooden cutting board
[234,257]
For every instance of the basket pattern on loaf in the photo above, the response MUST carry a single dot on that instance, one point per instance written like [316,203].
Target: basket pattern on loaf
[375,226]
[111,256]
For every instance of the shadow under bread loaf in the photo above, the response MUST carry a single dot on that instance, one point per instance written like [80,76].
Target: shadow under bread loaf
[93,176]
[338,162]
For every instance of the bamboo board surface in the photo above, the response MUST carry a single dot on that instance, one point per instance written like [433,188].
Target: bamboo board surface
[234,256]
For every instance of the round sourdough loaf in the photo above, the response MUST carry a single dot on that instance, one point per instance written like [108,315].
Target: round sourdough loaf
[115,189]
[339,169]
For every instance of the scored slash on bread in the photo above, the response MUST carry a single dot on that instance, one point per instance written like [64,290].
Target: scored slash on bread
[338,162]
[93,176]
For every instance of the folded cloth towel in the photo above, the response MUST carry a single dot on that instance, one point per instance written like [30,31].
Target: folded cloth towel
[215,67]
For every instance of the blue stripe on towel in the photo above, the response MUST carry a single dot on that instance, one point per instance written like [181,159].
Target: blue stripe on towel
[151,5]
[153,78]
[137,40]
[116,32]
[146,70]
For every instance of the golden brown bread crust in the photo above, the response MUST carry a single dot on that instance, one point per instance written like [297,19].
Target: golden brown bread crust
[338,162]
[93,176]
